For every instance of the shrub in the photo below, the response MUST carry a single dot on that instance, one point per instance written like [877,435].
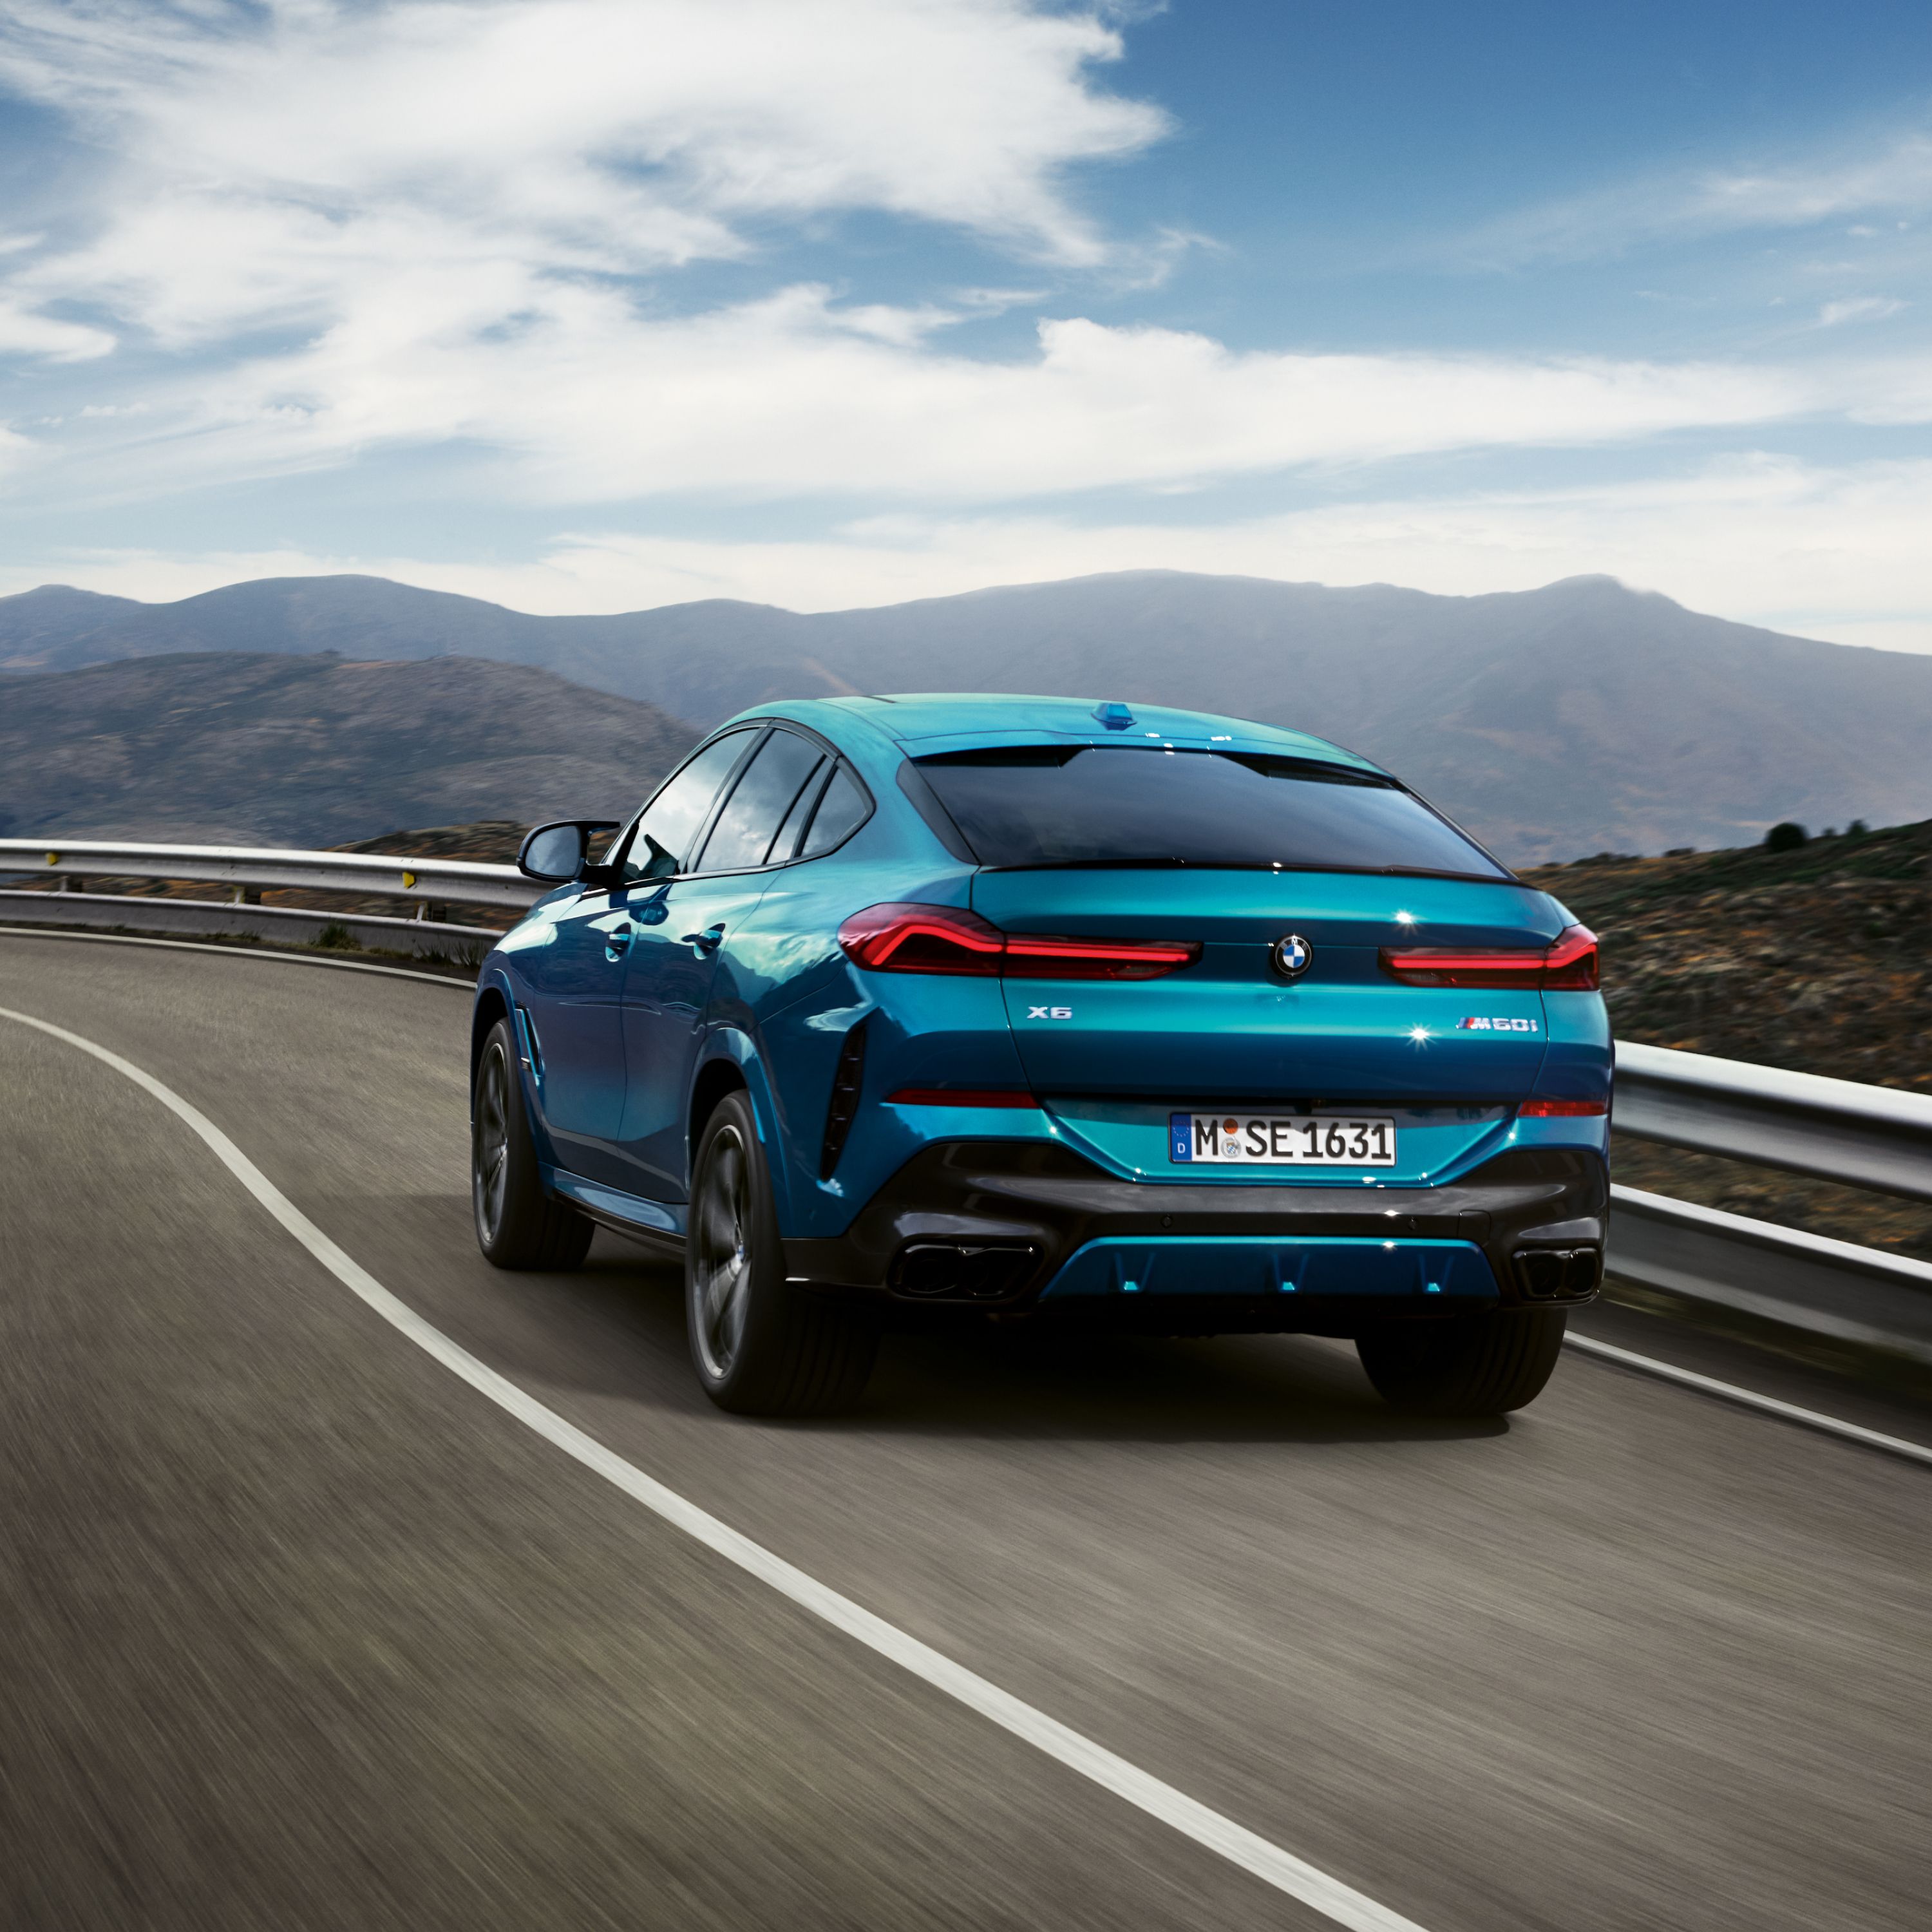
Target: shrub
[1786,836]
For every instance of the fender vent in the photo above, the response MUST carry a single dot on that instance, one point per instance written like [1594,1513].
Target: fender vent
[848,1078]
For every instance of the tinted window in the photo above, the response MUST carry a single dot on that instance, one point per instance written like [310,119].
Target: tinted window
[843,809]
[786,843]
[759,799]
[673,820]
[1121,806]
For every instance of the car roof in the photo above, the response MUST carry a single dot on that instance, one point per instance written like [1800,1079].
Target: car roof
[927,723]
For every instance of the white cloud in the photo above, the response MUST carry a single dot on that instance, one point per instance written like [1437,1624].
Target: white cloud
[1858,308]
[283,146]
[1837,553]
[1891,176]
[22,332]
[793,397]
[442,212]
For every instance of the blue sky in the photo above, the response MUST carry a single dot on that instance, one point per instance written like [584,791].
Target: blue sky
[594,304]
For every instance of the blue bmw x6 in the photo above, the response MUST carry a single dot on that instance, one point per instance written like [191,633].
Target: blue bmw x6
[1037,1007]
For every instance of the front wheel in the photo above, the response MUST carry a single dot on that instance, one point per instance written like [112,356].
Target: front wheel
[518,1225]
[760,1347]
[1468,1365]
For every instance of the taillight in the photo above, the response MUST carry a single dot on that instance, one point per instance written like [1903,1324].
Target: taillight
[1541,1109]
[902,938]
[1568,962]
[898,938]
[1571,962]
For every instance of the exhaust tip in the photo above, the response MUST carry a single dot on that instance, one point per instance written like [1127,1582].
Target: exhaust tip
[963,1270]
[1559,1274]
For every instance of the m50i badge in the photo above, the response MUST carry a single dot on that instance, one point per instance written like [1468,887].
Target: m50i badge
[1499,1026]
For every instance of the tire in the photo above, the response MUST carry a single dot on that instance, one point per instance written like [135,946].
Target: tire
[1468,1365]
[518,1225]
[760,1347]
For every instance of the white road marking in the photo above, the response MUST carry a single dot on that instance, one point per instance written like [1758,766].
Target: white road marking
[1810,1418]
[1239,1845]
[239,953]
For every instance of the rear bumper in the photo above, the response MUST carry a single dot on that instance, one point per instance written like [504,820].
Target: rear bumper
[1013,1225]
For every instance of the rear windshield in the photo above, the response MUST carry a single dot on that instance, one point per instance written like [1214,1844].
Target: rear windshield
[1124,806]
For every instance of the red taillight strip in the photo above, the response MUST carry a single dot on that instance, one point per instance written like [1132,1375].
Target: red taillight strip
[901,937]
[960,1097]
[1037,955]
[1540,1109]
[1569,962]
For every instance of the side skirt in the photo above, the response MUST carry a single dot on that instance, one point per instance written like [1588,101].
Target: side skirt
[654,1225]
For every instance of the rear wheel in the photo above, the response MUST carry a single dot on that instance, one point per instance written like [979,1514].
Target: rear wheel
[518,1225]
[1470,1365]
[761,1346]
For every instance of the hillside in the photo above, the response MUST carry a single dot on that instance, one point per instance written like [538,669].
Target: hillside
[258,749]
[1820,960]
[1580,716]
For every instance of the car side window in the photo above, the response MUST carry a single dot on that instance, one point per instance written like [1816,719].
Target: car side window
[661,842]
[766,790]
[845,806]
[786,843]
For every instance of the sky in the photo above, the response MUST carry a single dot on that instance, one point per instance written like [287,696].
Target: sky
[601,304]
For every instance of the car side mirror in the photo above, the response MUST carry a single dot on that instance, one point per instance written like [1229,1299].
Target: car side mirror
[557,853]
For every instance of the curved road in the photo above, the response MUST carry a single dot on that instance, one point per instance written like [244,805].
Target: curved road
[300,1630]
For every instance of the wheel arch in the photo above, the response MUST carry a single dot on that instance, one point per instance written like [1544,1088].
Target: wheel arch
[493,1003]
[733,1064]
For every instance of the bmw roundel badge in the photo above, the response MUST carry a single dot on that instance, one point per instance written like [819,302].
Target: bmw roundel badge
[1290,956]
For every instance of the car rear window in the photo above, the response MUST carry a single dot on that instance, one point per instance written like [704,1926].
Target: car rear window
[1124,805]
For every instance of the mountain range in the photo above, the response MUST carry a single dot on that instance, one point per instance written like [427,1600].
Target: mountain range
[1582,716]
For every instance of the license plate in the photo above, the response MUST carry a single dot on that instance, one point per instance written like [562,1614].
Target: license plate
[1283,1140]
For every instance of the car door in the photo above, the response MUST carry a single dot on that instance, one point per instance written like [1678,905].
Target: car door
[572,968]
[673,978]
[575,971]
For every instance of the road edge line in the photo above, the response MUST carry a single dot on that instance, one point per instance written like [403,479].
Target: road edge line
[1258,1856]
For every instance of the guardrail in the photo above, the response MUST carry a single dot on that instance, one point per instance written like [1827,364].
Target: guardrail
[1873,1138]
[247,871]
[1868,1137]
[253,869]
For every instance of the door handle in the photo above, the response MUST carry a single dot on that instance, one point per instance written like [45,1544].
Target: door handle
[707,943]
[617,942]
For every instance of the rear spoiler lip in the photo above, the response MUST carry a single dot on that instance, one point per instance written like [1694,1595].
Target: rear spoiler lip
[1507,878]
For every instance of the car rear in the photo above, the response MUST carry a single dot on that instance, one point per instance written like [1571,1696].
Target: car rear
[1284,1048]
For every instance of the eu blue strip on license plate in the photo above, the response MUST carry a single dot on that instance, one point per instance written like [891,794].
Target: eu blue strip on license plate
[1238,1139]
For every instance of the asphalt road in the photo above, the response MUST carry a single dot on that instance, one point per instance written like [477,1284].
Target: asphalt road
[296,1629]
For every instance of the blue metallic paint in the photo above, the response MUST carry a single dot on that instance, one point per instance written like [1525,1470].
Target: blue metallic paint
[625,1040]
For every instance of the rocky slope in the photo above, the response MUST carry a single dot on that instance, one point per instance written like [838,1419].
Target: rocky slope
[237,748]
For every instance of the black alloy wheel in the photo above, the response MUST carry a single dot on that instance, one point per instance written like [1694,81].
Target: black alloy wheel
[760,1345]
[518,1225]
